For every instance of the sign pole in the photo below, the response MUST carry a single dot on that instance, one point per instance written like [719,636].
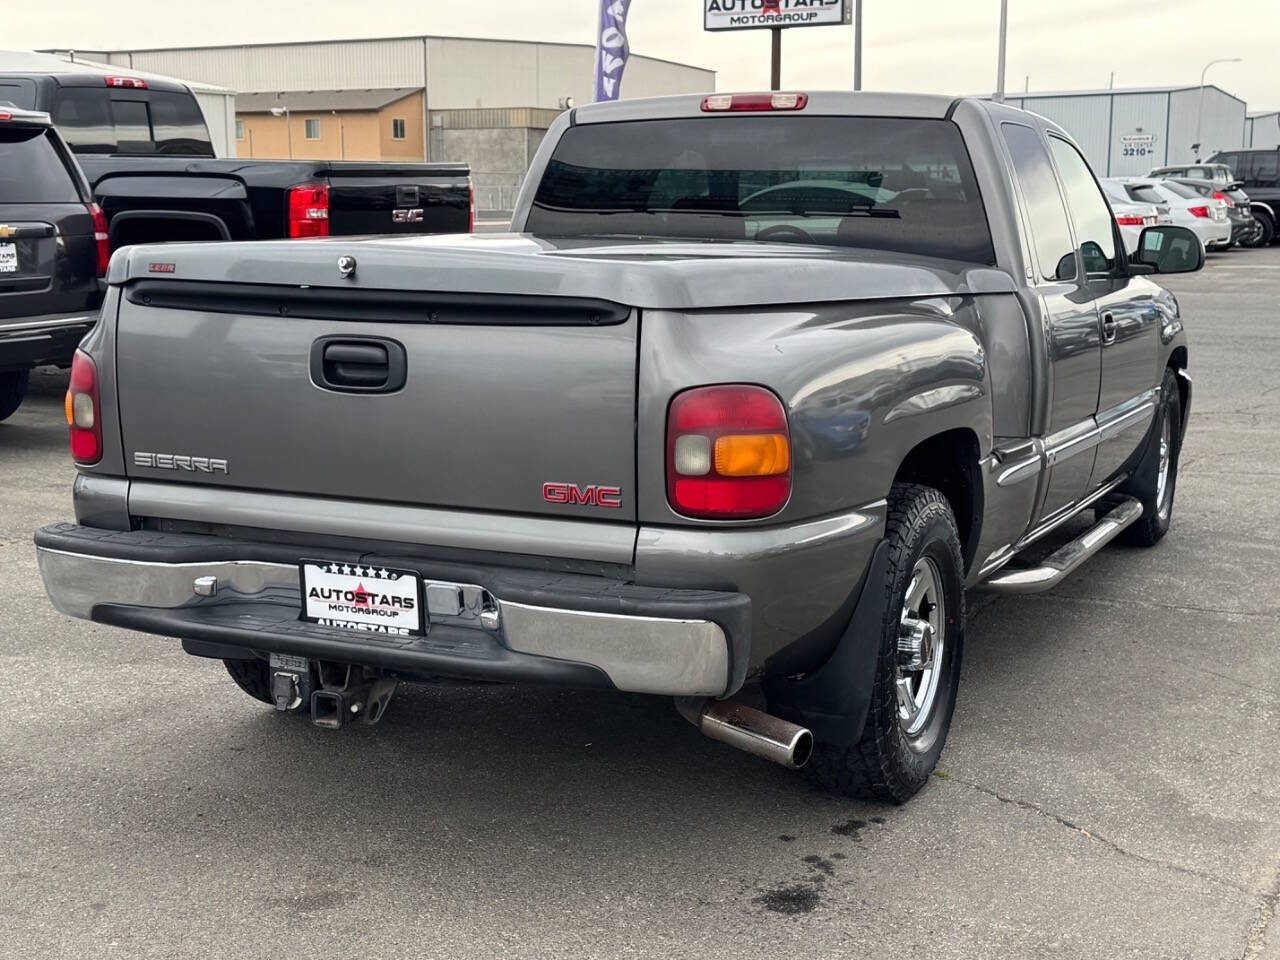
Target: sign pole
[775,73]
[857,45]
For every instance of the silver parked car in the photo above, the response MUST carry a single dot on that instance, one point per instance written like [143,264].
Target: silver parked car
[1206,218]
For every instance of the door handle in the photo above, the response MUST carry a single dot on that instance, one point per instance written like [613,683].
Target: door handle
[358,364]
[1108,329]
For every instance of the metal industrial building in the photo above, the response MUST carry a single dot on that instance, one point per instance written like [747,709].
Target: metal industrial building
[462,84]
[1262,130]
[1127,132]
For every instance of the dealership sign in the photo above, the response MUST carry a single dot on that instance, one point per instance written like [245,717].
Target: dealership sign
[749,14]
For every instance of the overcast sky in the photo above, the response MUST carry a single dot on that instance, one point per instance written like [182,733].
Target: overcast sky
[943,46]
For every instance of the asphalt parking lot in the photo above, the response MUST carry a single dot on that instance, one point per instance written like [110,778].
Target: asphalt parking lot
[1111,787]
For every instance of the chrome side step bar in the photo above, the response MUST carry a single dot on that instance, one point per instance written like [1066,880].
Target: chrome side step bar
[1062,562]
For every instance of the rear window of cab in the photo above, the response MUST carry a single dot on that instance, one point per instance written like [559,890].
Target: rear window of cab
[903,185]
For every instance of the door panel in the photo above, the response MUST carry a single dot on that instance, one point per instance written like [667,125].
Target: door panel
[1074,338]
[1130,321]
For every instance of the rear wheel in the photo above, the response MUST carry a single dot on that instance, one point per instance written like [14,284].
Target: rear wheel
[1264,234]
[13,387]
[918,669]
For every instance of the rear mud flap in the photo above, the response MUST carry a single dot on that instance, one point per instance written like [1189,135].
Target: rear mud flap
[832,701]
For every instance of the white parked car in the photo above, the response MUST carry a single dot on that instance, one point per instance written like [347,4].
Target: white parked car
[1132,218]
[1205,217]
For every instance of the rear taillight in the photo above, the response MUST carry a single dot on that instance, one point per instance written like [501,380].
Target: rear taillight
[83,410]
[728,453]
[1219,195]
[6,116]
[1129,221]
[100,237]
[471,217]
[1199,211]
[753,102]
[309,210]
[132,83]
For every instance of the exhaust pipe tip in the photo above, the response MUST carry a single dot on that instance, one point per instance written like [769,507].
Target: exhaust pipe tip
[754,731]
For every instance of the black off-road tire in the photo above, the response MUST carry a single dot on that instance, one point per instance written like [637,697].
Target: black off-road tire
[253,677]
[13,387]
[887,764]
[1144,485]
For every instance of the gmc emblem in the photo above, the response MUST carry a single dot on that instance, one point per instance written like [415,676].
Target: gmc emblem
[574,495]
[407,216]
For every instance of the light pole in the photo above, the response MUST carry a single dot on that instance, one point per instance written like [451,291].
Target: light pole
[1195,147]
[857,45]
[1004,31]
[288,125]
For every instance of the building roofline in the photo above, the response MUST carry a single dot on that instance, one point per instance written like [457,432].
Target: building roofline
[412,36]
[1107,91]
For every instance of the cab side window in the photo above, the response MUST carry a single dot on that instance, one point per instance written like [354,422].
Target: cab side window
[1095,229]
[1050,230]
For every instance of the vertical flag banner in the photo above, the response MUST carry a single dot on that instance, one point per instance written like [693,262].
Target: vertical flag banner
[611,48]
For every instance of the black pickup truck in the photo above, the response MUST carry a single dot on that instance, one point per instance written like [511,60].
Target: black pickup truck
[145,148]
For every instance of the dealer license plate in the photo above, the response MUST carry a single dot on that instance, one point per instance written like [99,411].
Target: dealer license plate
[8,258]
[372,599]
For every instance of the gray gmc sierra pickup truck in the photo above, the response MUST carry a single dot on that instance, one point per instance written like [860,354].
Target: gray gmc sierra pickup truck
[759,387]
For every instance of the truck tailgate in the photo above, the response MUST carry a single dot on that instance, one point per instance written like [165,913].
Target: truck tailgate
[454,400]
[415,198]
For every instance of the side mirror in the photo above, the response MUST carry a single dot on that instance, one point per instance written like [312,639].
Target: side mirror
[1169,250]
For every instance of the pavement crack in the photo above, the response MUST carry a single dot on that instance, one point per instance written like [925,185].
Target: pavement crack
[1098,838]
[1267,907]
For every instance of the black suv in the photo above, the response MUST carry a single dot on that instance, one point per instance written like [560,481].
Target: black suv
[1259,171]
[53,250]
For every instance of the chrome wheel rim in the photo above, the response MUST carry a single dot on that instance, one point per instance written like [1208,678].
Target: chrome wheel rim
[1162,478]
[921,638]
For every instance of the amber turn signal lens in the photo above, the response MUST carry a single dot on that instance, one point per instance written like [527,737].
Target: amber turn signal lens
[752,455]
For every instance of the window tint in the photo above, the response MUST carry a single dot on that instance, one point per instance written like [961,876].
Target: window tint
[1049,228]
[1145,194]
[1181,190]
[31,170]
[179,125]
[904,185]
[1266,169]
[1198,173]
[21,93]
[83,117]
[397,129]
[154,121]
[133,126]
[1094,225]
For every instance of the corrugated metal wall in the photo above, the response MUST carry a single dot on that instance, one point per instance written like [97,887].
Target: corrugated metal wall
[463,73]
[466,74]
[219,111]
[1222,127]
[1135,117]
[1086,118]
[353,64]
[1262,131]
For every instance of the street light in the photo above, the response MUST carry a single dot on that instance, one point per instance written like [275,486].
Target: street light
[288,127]
[1004,33]
[1195,147]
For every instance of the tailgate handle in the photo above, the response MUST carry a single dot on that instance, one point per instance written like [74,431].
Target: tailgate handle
[358,364]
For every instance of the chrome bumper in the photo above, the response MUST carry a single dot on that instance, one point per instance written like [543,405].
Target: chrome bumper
[676,656]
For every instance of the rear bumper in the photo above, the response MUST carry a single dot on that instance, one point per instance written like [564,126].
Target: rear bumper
[32,341]
[511,625]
